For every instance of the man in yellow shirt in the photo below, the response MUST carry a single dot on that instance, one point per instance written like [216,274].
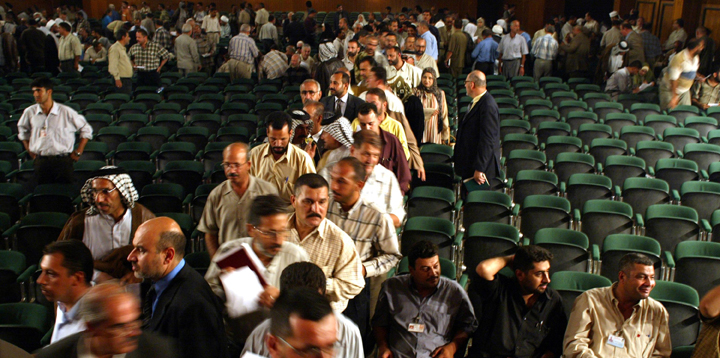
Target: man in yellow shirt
[377,97]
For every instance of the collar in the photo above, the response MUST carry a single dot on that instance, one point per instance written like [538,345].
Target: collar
[320,230]
[54,110]
[353,209]
[615,301]
[515,285]
[268,152]
[345,97]
[72,315]
[164,282]
[477,99]
[227,187]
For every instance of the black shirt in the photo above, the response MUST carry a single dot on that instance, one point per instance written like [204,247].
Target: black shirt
[508,328]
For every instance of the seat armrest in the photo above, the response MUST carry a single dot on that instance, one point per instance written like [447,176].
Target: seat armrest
[639,222]
[563,187]
[675,196]
[669,259]
[27,274]
[651,171]
[704,174]
[464,281]
[596,252]
[632,151]
[459,238]
[617,192]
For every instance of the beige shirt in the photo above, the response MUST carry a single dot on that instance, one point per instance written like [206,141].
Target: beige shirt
[225,213]
[119,64]
[211,24]
[334,251]
[69,47]
[284,172]
[411,74]
[425,61]
[595,316]
[261,16]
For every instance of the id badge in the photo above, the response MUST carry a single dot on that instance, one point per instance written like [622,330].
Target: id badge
[616,341]
[43,133]
[416,327]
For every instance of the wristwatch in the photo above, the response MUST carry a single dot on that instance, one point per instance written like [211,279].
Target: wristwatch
[78,153]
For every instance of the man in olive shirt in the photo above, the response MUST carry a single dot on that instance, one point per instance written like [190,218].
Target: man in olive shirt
[119,64]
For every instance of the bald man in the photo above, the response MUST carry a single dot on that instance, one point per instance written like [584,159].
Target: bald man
[477,149]
[223,218]
[179,304]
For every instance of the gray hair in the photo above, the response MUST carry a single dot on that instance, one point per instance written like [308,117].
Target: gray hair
[187,28]
[94,308]
[245,28]
[311,81]
[479,82]
[306,46]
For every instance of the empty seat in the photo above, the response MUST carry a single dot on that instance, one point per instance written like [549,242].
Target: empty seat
[560,144]
[570,249]
[681,112]
[533,182]
[659,123]
[620,167]
[601,218]
[704,197]
[640,193]
[702,153]
[543,115]
[676,171]
[616,246]
[571,284]
[488,239]
[671,224]
[436,230]
[634,134]
[590,131]
[602,148]
[602,109]
[694,257]
[679,137]
[701,124]
[541,211]
[432,202]
[512,126]
[487,206]
[642,110]
[549,129]
[567,164]
[583,187]
[652,151]
[617,121]
[681,301]
[514,141]
[522,159]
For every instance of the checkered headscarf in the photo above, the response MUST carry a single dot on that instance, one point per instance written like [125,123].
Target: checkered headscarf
[341,130]
[122,181]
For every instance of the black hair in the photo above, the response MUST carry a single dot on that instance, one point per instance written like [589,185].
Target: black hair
[43,82]
[76,257]
[422,250]
[303,302]
[366,108]
[310,180]
[527,256]
[266,205]
[358,168]
[278,120]
[303,274]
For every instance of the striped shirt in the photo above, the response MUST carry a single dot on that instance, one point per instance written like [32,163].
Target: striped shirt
[243,48]
[148,57]
[373,232]
[69,47]
[274,65]
[383,190]
[546,48]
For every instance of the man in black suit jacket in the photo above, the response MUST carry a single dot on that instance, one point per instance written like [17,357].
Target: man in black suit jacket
[111,315]
[180,303]
[349,104]
[477,148]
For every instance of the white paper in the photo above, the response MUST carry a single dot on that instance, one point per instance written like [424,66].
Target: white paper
[251,355]
[644,86]
[242,289]
[712,104]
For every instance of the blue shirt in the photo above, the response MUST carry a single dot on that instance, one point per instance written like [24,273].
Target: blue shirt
[485,50]
[431,47]
[164,282]
[106,21]
[528,38]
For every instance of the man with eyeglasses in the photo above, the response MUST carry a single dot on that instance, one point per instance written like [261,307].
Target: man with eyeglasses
[113,329]
[267,228]
[108,225]
[227,205]
[179,303]
[310,91]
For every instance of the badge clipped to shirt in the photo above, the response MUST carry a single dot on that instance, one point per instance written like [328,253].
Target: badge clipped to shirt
[416,326]
[43,132]
[616,341]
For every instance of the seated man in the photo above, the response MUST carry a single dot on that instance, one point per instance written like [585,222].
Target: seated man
[707,342]
[179,304]
[620,320]
[707,93]
[513,308]
[621,81]
[422,314]
[308,275]
[108,226]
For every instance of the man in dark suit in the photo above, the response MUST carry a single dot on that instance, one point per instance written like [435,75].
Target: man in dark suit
[179,303]
[477,149]
[111,315]
[341,102]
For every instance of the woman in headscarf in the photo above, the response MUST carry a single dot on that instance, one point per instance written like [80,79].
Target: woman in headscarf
[437,128]
[360,20]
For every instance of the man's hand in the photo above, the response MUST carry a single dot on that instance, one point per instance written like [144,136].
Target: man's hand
[74,156]
[522,71]
[446,351]
[673,101]
[384,352]
[364,271]
[421,174]
[118,83]
[480,177]
[267,298]
[32,155]
[311,148]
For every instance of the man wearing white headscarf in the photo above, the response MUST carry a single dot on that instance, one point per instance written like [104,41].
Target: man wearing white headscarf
[329,63]
[338,138]
[109,224]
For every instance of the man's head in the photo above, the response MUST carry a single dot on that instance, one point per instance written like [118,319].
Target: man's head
[367,148]
[701,31]
[475,83]
[577,29]
[678,23]
[348,178]
[141,36]
[514,27]
[532,268]
[424,264]
[377,77]
[339,83]
[67,269]
[112,318]
[315,110]
[420,46]
[158,246]
[310,200]
[303,274]
[393,56]
[366,64]
[371,44]
[410,43]
[267,224]
[302,324]
[353,48]
[368,117]
[634,67]
[636,277]
[378,98]
[187,29]
[695,46]
[391,40]
[42,89]
[279,131]
[305,52]
[310,91]
[337,134]
[625,28]
[236,163]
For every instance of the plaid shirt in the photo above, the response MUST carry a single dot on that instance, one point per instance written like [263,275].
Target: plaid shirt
[274,65]
[383,190]
[373,232]
[243,48]
[205,47]
[150,56]
[163,38]
[546,48]
[651,44]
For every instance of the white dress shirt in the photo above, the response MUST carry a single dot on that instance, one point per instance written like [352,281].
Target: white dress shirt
[53,134]
[67,322]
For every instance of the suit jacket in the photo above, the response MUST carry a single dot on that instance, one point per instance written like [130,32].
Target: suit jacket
[149,345]
[351,108]
[636,51]
[477,147]
[190,313]
[577,53]
[186,52]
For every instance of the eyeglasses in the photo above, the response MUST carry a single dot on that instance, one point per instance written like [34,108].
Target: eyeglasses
[310,351]
[124,329]
[273,234]
[105,192]
[232,165]
[308,92]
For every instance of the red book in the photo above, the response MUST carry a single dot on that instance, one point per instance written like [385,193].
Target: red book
[241,258]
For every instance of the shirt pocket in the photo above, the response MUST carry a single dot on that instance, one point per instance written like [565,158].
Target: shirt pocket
[438,322]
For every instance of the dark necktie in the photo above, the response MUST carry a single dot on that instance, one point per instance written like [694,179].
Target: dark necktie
[147,310]
[338,108]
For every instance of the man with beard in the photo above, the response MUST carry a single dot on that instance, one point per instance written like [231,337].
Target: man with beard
[400,69]
[223,218]
[278,161]
[353,47]
[342,103]
[514,307]
[705,93]
[425,60]
[422,314]
[621,320]
[179,304]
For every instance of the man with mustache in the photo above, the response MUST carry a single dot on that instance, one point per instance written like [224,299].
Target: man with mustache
[179,303]
[514,308]
[422,314]
[113,329]
[278,161]
[340,101]
[108,225]
[621,320]
[226,207]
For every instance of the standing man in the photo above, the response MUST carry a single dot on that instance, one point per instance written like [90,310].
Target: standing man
[148,59]
[69,49]
[32,48]
[457,46]
[342,103]
[635,41]
[310,91]
[399,69]
[514,308]
[242,49]
[119,64]
[261,16]
[425,60]
[431,48]
[681,73]
[612,36]
[278,161]
[67,270]
[268,34]
[47,131]
[353,48]
[477,149]
[512,51]
[485,53]
[224,215]
[545,50]
[326,244]
[180,304]
[621,320]
[186,51]
[422,314]
[576,61]
[211,25]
